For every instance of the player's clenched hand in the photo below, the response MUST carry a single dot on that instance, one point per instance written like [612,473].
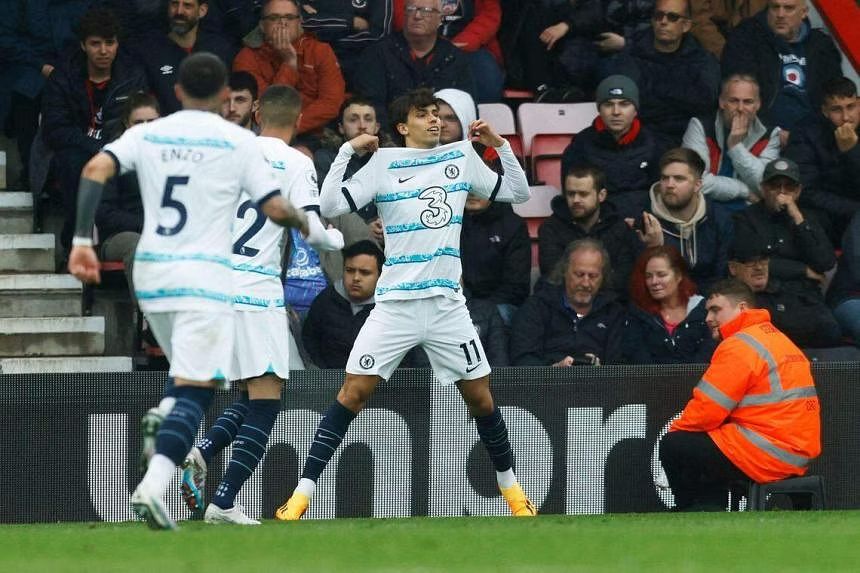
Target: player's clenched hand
[564,362]
[480,130]
[364,143]
[84,265]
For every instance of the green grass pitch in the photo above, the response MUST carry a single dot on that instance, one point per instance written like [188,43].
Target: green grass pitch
[725,542]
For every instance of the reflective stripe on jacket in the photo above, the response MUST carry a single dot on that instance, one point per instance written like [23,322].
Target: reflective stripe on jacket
[757,401]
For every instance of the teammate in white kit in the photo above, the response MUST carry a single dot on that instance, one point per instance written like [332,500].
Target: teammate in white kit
[420,191]
[261,347]
[192,166]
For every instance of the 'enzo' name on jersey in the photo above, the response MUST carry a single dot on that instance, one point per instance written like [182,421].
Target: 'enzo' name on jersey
[179,154]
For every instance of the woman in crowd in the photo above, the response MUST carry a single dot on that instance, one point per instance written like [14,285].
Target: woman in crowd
[666,323]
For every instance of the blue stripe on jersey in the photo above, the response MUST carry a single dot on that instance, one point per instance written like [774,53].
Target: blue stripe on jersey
[183,292]
[421,285]
[268,271]
[150,257]
[423,258]
[257,301]
[429,160]
[188,141]
[411,194]
[409,227]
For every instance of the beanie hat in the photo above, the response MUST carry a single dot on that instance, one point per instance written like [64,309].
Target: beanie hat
[617,87]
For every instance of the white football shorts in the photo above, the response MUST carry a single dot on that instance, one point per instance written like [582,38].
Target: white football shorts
[198,344]
[440,325]
[262,344]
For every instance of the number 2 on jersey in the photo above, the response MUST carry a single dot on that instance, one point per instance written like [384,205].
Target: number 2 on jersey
[169,202]
[239,247]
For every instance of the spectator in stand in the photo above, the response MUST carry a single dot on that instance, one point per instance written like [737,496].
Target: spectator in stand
[349,27]
[242,104]
[790,59]
[491,329]
[83,102]
[714,19]
[283,54]
[471,25]
[231,19]
[800,252]
[677,78]
[415,57]
[843,296]
[119,217]
[734,143]
[666,318]
[683,218]
[581,212]
[805,319]
[826,150]
[619,144]
[161,54]
[571,321]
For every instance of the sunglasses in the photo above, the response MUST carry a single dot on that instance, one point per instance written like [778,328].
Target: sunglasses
[673,17]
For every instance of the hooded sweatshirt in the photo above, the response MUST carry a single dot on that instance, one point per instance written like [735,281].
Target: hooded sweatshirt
[463,105]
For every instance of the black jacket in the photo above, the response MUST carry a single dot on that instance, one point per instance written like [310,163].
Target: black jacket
[66,108]
[646,340]
[630,167]
[846,281]
[752,48]
[495,252]
[161,56]
[792,247]
[559,230]
[389,71]
[545,331]
[330,328]
[672,87]
[831,179]
[121,208]
[805,319]
[491,330]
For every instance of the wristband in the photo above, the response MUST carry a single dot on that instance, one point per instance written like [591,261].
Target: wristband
[82,242]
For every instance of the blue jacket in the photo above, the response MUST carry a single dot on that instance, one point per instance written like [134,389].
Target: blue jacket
[646,340]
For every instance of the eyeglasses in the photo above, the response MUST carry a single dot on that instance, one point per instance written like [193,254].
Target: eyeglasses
[673,17]
[423,10]
[272,18]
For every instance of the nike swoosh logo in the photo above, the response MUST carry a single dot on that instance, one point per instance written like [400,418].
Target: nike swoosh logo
[404,179]
[472,368]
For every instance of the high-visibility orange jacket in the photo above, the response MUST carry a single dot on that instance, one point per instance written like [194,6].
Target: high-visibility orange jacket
[757,401]
[317,77]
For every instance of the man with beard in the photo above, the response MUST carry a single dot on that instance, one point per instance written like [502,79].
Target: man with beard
[754,415]
[681,216]
[580,212]
[161,54]
[243,103]
[570,321]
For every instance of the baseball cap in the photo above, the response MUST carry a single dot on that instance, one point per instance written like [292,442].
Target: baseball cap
[744,251]
[617,87]
[780,167]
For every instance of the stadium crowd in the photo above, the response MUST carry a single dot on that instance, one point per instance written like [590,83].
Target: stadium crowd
[726,144]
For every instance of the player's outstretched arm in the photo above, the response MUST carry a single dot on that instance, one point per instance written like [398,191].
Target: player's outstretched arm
[283,213]
[320,238]
[339,197]
[83,262]
[514,187]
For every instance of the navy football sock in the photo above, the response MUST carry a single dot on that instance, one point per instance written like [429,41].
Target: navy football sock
[494,435]
[329,435]
[248,449]
[225,429]
[177,431]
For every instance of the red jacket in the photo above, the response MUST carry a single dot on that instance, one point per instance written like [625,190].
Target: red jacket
[757,401]
[479,33]
[316,76]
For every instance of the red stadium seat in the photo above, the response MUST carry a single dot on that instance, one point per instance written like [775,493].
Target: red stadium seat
[546,157]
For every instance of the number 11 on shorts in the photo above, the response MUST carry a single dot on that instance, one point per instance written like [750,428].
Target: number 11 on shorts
[465,347]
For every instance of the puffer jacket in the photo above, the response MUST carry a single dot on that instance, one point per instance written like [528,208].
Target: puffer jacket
[646,340]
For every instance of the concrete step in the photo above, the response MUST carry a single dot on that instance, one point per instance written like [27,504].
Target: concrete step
[62,336]
[27,253]
[16,212]
[61,364]
[39,296]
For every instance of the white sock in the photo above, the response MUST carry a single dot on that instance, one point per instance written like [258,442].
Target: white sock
[506,478]
[306,487]
[166,405]
[158,475]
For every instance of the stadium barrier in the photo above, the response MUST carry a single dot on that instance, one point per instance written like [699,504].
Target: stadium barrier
[585,440]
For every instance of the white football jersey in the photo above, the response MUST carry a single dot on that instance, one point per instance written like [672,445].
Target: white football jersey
[420,195]
[191,166]
[257,241]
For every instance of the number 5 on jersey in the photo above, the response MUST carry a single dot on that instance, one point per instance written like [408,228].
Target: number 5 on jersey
[169,202]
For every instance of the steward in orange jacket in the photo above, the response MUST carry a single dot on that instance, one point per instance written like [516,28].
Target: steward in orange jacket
[279,52]
[754,414]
